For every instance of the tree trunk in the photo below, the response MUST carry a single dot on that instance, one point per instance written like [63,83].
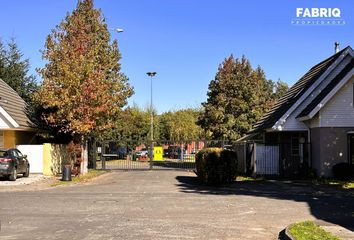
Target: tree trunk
[84,156]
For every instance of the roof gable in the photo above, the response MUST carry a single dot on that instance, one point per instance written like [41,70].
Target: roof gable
[288,100]
[316,103]
[13,106]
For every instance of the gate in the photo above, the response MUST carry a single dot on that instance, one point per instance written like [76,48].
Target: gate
[118,155]
[283,159]
[115,155]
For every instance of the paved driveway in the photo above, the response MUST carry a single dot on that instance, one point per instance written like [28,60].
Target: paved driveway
[32,178]
[167,205]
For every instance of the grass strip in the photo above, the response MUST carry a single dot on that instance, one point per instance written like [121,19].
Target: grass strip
[308,230]
[82,178]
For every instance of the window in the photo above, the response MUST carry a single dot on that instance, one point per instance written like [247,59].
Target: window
[14,153]
[3,153]
[19,153]
[2,139]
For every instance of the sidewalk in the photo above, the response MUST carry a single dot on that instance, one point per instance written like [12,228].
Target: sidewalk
[336,230]
[35,181]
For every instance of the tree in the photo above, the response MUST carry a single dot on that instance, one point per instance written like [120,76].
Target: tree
[180,126]
[14,70]
[136,127]
[82,82]
[237,98]
[133,126]
[280,89]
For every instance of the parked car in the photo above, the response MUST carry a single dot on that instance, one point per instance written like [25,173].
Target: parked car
[13,162]
[142,153]
[173,152]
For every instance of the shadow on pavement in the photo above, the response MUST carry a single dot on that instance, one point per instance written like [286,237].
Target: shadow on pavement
[6,179]
[174,164]
[326,203]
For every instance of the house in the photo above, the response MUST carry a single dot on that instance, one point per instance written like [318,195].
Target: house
[15,127]
[312,125]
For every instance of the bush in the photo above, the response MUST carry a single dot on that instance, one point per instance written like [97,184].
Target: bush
[216,166]
[343,171]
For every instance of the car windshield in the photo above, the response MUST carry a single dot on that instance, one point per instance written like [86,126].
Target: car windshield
[19,153]
[3,153]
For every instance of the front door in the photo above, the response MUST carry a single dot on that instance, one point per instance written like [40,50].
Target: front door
[351,148]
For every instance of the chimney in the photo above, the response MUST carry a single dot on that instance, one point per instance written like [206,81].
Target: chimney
[336,47]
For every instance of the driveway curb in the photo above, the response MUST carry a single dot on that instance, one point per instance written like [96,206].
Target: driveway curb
[285,234]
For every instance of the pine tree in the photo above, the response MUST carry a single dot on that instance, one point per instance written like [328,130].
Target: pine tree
[14,70]
[237,98]
[280,89]
[82,83]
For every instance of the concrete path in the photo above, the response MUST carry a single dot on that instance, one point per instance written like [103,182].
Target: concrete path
[32,178]
[167,205]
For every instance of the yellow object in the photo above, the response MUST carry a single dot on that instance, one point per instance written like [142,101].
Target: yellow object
[47,159]
[158,152]
[9,139]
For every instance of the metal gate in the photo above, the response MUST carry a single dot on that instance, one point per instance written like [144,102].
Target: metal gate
[124,155]
[116,155]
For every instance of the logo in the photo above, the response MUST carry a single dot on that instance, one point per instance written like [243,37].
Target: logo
[318,16]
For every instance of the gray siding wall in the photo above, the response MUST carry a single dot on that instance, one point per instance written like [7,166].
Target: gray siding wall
[292,124]
[315,121]
[339,111]
[329,146]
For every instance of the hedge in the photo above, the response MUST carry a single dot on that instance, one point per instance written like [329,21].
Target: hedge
[216,166]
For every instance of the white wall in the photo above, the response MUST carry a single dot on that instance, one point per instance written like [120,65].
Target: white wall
[34,155]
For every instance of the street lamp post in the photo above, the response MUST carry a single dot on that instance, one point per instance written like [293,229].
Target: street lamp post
[151,74]
[118,30]
[103,159]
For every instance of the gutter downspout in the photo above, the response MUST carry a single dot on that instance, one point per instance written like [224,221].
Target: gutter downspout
[310,147]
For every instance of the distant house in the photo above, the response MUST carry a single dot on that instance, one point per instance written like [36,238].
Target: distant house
[313,123]
[15,127]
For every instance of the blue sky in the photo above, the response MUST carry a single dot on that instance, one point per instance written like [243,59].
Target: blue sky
[184,41]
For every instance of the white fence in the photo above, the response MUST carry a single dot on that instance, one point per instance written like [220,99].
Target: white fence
[267,159]
[34,155]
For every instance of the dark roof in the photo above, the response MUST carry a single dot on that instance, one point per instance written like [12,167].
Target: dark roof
[294,93]
[14,105]
[327,89]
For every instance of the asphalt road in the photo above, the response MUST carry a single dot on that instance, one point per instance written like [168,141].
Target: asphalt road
[167,205]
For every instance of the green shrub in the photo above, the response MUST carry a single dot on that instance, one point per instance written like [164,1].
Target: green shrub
[216,166]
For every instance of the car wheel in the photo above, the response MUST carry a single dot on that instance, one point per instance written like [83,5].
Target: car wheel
[13,175]
[26,174]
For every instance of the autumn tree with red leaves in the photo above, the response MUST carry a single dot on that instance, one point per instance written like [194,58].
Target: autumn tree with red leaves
[82,81]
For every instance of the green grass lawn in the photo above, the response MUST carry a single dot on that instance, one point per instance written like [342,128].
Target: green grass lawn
[248,179]
[308,230]
[349,184]
[82,178]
